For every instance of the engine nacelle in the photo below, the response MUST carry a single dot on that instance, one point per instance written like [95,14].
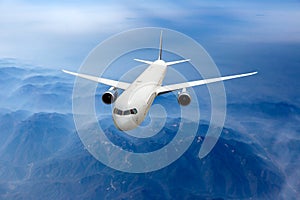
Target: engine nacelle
[110,96]
[184,98]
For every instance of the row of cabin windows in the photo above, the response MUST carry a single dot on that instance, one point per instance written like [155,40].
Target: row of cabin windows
[132,111]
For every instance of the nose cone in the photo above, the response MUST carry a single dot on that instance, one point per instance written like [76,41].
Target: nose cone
[124,123]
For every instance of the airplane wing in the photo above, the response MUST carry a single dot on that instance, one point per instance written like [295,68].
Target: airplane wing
[113,83]
[169,88]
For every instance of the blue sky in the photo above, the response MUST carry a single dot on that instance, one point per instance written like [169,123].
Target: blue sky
[56,33]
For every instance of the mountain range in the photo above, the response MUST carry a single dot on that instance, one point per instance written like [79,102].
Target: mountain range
[42,157]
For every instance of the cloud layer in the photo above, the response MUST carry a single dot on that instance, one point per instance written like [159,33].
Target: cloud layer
[56,32]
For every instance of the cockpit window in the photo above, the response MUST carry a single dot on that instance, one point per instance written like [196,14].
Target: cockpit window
[117,111]
[126,112]
[132,111]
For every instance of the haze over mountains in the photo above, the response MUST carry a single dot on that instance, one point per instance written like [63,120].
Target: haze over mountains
[42,157]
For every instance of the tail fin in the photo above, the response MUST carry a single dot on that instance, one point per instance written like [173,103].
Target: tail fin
[160,55]
[160,46]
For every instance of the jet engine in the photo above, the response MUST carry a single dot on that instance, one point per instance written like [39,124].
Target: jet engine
[110,96]
[184,98]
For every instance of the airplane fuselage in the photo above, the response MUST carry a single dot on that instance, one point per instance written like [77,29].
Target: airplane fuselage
[132,106]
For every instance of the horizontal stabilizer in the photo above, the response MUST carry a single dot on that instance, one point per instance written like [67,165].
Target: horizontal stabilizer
[144,61]
[177,61]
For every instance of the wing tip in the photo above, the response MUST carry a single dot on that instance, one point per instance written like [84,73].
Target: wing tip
[253,73]
[69,72]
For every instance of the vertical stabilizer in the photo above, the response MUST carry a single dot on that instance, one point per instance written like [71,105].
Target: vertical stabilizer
[160,46]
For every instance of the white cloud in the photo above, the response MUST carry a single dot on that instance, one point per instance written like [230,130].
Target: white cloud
[54,33]
[268,24]
[61,19]
[37,32]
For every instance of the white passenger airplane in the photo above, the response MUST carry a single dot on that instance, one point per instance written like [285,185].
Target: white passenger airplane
[132,105]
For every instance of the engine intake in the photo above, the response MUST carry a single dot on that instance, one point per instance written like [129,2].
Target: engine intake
[184,98]
[110,96]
